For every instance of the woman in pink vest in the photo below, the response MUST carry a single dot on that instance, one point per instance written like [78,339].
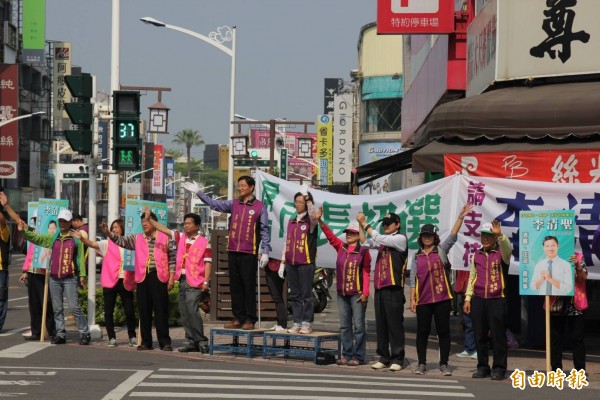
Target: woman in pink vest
[430,294]
[115,281]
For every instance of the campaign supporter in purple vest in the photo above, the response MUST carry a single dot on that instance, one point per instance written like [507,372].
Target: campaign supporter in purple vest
[115,281]
[34,278]
[154,264]
[430,294]
[390,267]
[66,271]
[194,263]
[486,302]
[248,246]
[300,254]
[4,261]
[353,271]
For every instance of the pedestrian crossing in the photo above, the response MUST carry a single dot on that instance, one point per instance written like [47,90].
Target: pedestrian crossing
[230,384]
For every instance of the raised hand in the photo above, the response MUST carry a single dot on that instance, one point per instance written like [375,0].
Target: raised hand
[191,186]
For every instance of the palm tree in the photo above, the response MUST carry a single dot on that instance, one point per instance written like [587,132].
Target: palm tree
[188,138]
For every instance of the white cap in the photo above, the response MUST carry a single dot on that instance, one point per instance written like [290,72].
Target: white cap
[352,227]
[65,214]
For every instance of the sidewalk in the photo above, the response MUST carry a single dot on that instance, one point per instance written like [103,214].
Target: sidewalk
[523,359]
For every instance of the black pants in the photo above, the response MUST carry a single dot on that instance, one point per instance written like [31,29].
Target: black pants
[275,285]
[439,311]
[35,291]
[389,324]
[110,299]
[242,280]
[576,326]
[153,296]
[490,315]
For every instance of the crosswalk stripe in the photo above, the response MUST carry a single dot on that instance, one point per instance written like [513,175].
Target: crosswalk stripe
[393,378]
[129,384]
[13,331]
[317,389]
[296,381]
[23,350]
[164,395]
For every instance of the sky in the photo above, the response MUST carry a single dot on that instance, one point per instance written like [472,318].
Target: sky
[284,51]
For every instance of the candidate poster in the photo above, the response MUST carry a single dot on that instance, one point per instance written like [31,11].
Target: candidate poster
[46,222]
[133,222]
[547,241]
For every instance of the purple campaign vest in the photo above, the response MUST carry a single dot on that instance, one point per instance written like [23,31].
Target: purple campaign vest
[489,277]
[348,270]
[62,264]
[431,280]
[389,267]
[300,243]
[243,226]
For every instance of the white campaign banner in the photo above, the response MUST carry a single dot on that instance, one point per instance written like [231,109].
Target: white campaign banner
[439,203]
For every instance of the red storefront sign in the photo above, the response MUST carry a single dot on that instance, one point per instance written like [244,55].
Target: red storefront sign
[9,144]
[568,166]
[415,16]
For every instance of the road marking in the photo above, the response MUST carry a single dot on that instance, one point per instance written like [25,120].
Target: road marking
[363,382]
[392,378]
[20,383]
[18,298]
[247,396]
[13,331]
[126,386]
[23,350]
[288,388]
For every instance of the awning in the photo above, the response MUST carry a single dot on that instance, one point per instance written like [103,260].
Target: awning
[554,111]
[430,158]
[369,172]
[382,87]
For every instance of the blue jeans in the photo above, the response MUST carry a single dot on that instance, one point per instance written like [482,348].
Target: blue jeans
[469,333]
[352,322]
[67,287]
[3,296]
[300,282]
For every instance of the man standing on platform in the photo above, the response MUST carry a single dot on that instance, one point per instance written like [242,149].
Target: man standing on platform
[248,226]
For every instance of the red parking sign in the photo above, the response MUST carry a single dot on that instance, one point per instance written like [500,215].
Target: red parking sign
[415,16]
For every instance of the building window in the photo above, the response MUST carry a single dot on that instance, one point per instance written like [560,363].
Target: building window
[383,115]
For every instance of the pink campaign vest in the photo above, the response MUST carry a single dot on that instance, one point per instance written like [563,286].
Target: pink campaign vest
[111,266]
[28,258]
[161,256]
[192,260]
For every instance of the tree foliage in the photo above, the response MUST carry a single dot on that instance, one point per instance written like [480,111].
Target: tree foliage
[188,138]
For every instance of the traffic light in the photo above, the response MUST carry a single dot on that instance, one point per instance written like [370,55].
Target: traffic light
[127,143]
[81,113]
[253,153]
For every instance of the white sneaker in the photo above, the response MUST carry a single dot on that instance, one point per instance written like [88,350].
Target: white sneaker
[112,343]
[474,355]
[306,329]
[379,365]
[279,328]
[295,329]
[395,367]
[133,342]
[27,333]
[465,354]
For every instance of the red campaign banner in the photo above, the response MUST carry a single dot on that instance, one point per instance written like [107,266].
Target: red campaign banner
[415,16]
[9,144]
[567,166]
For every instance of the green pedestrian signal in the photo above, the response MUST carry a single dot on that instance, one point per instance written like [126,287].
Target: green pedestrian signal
[80,112]
[127,142]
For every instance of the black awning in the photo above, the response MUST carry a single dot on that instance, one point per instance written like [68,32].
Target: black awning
[369,172]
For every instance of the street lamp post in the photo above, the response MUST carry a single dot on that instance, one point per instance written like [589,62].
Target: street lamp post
[131,176]
[215,39]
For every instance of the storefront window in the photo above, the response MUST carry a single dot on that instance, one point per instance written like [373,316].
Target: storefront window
[383,115]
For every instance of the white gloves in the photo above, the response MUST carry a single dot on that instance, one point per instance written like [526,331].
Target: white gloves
[281,270]
[264,260]
[192,187]
[304,189]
